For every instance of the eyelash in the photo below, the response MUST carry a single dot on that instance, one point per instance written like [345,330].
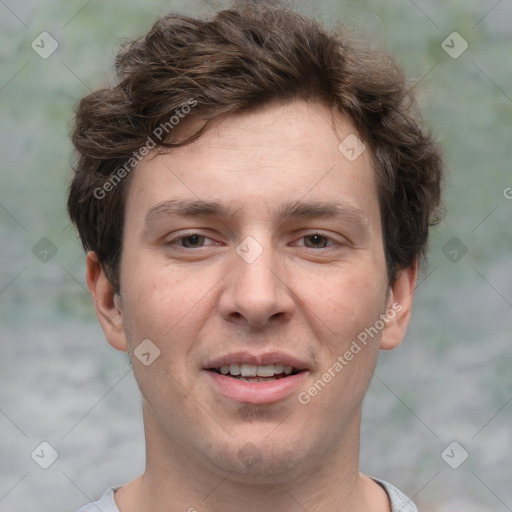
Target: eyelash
[175,241]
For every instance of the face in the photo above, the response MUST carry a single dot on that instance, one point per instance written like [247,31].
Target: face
[253,262]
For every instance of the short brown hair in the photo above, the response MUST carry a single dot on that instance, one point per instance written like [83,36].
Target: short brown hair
[241,59]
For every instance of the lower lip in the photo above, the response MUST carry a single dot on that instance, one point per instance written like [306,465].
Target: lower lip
[257,392]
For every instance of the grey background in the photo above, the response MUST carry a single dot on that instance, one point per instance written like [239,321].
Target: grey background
[449,381]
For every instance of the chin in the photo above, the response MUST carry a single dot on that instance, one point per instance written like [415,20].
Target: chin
[260,460]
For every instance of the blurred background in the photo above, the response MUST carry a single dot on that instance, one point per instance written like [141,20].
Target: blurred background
[438,415]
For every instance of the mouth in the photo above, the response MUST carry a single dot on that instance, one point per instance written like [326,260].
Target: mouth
[256,373]
[256,379]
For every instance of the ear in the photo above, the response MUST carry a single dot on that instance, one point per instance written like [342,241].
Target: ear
[106,303]
[399,308]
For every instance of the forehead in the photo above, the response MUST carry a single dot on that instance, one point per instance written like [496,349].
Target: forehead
[260,162]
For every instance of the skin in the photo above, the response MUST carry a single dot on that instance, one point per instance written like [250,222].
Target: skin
[197,302]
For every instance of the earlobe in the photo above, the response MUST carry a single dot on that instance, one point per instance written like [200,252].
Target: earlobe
[399,308]
[106,303]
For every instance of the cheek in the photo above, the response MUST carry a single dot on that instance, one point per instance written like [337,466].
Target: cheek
[347,300]
[163,300]
[166,307]
[347,308]
[348,305]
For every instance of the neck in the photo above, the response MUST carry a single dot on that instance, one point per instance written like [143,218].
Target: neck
[176,477]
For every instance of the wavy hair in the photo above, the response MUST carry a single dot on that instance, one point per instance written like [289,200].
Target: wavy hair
[240,59]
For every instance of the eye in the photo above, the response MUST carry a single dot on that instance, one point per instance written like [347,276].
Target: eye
[196,241]
[189,241]
[317,241]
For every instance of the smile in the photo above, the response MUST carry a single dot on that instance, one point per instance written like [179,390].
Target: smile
[256,379]
[255,373]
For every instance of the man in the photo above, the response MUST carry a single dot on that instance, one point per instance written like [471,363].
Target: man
[254,195]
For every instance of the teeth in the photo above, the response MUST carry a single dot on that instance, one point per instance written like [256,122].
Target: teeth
[257,379]
[265,371]
[278,368]
[252,370]
[234,369]
[248,370]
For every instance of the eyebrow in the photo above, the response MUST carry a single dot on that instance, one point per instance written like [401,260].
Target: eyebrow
[290,210]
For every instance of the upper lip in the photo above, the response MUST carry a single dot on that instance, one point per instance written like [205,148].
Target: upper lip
[257,359]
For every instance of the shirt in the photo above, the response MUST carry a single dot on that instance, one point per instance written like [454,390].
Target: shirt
[399,501]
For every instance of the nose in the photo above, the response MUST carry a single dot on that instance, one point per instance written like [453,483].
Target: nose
[256,291]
